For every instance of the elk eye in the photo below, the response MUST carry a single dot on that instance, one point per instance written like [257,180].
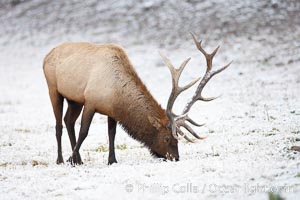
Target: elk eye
[167,139]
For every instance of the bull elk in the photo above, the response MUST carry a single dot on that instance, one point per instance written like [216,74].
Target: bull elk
[100,79]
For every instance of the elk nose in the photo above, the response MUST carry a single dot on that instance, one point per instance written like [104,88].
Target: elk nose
[176,159]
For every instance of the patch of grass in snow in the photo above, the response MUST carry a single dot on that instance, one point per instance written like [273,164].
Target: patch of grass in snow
[295,132]
[36,163]
[212,154]
[275,129]
[102,148]
[273,196]
[20,130]
[298,175]
[294,112]
[33,163]
[291,157]
[2,178]
[270,134]
[211,131]
[121,147]
[273,118]
[5,144]
[3,164]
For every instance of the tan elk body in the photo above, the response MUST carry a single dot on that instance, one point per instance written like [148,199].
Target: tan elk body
[101,79]
[100,76]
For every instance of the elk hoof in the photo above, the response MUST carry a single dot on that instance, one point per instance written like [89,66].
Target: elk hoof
[75,159]
[110,162]
[59,160]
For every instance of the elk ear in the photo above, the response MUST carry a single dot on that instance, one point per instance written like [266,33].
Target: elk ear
[155,122]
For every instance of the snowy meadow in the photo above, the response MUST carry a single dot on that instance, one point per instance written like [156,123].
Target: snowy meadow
[250,128]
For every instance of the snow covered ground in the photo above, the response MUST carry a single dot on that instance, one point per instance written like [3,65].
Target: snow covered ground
[249,129]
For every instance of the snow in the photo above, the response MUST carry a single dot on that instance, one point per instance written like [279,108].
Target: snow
[249,129]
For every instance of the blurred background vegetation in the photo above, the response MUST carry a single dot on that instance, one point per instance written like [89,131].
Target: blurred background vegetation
[158,22]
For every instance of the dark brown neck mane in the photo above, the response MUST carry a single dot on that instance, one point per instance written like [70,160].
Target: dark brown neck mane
[136,105]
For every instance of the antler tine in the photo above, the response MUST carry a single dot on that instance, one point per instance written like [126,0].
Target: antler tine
[176,89]
[189,139]
[182,66]
[180,121]
[205,80]
[189,129]
[174,131]
[215,51]
[193,122]
[221,69]
[185,136]
[208,57]
[198,44]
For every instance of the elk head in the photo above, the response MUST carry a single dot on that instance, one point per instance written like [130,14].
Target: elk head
[177,122]
[164,145]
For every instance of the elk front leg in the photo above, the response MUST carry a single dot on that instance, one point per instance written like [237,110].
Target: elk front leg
[112,125]
[86,120]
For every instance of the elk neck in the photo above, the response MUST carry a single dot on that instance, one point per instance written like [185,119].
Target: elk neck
[135,105]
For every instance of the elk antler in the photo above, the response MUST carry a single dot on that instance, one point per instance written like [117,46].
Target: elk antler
[177,121]
[176,90]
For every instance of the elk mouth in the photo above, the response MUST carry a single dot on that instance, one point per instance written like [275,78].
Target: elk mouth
[171,157]
[168,156]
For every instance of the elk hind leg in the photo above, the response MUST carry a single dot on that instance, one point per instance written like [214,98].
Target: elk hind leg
[57,104]
[73,112]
